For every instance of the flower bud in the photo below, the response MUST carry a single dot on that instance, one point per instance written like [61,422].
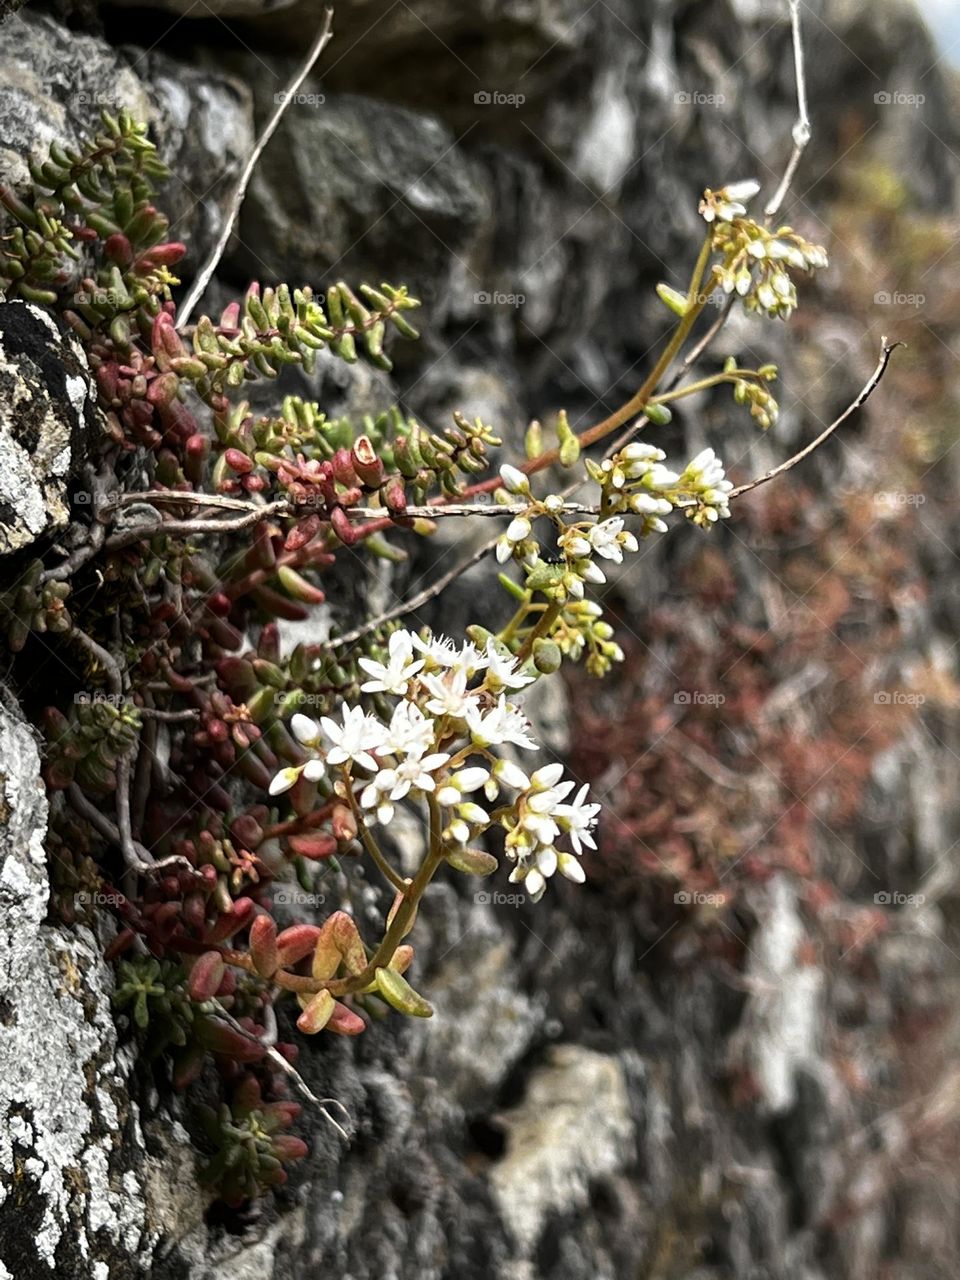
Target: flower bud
[547,657]
[514,481]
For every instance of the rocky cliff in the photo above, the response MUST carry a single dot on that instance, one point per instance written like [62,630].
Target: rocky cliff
[614,1084]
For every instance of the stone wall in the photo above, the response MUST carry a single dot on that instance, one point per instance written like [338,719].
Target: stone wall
[568,1111]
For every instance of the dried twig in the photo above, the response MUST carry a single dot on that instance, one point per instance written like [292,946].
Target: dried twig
[236,200]
[801,128]
[106,660]
[144,861]
[866,391]
[125,769]
[188,528]
[171,717]
[176,497]
[280,1061]
[415,602]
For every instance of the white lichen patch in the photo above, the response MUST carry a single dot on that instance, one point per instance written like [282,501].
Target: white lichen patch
[59,1119]
[38,421]
[783,1016]
[572,1127]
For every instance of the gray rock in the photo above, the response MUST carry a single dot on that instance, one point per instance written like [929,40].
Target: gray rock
[362,190]
[573,1127]
[693,1120]
[54,84]
[71,1196]
[49,423]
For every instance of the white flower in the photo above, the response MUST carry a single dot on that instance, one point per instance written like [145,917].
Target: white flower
[457,833]
[531,879]
[660,477]
[450,696]
[546,776]
[568,866]
[472,813]
[502,723]
[518,530]
[514,480]
[442,652]
[645,504]
[578,819]
[375,795]
[414,774]
[395,675]
[743,190]
[461,782]
[636,460]
[355,738]
[727,203]
[307,733]
[608,538]
[305,730]
[511,775]
[284,780]
[575,544]
[503,669]
[410,731]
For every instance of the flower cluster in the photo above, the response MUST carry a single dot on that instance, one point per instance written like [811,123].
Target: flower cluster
[754,260]
[636,480]
[580,542]
[454,705]
[703,481]
[763,405]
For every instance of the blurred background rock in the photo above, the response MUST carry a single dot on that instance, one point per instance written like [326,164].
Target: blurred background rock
[735,1052]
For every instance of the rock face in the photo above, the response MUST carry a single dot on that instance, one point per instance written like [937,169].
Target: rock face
[585,1103]
[48,423]
[71,1198]
[54,84]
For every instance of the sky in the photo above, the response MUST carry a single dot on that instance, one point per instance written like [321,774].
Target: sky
[943,16]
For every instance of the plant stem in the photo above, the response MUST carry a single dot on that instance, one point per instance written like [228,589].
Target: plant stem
[703,383]
[547,619]
[371,846]
[510,630]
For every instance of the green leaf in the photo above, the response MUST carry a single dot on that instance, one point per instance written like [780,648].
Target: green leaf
[398,992]
[677,302]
